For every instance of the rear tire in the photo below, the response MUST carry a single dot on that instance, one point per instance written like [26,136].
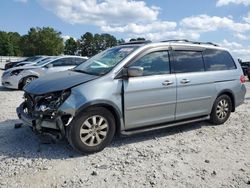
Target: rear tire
[221,110]
[92,130]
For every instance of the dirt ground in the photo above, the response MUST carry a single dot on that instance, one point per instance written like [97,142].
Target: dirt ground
[193,155]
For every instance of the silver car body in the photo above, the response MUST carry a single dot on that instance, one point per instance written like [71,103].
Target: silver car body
[13,81]
[138,102]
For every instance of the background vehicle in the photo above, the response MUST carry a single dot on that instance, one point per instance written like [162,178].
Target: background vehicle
[29,59]
[18,77]
[134,88]
[40,60]
[246,69]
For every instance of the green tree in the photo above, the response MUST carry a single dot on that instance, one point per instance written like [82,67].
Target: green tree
[15,40]
[92,44]
[42,41]
[86,44]
[70,46]
[138,39]
[10,44]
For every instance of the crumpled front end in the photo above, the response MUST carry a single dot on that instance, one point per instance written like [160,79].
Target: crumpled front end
[42,114]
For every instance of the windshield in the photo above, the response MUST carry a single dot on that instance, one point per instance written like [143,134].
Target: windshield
[44,61]
[33,58]
[105,61]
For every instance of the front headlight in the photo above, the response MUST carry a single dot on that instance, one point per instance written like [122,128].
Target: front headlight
[51,101]
[16,72]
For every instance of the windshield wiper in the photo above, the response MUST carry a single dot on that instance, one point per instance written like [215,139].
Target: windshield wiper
[85,72]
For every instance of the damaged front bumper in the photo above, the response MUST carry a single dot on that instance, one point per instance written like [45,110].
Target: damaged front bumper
[40,124]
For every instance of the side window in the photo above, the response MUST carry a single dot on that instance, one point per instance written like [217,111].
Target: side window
[154,63]
[188,61]
[78,61]
[63,62]
[57,63]
[218,60]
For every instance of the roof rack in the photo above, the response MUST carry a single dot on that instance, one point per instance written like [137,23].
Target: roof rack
[137,42]
[192,42]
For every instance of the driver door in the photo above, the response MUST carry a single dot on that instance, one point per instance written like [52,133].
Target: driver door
[150,98]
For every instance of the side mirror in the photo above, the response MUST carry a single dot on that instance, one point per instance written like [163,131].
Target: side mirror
[49,66]
[135,71]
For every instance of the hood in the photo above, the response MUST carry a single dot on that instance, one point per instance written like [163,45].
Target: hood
[22,68]
[26,63]
[57,82]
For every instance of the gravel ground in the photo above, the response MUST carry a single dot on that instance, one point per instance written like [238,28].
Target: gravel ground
[193,155]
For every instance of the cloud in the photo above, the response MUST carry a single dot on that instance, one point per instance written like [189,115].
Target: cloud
[205,23]
[226,2]
[247,18]
[137,19]
[119,12]
[237,49]
[241,36]
[225,43]
[158,26]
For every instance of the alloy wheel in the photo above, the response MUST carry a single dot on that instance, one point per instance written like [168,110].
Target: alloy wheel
[94,130]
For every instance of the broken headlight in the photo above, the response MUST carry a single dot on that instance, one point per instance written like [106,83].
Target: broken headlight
[51,101]
[16,72]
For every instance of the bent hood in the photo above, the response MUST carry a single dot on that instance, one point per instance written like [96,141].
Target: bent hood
[57,82]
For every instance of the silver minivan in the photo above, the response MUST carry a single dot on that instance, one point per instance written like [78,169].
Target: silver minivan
[133,88]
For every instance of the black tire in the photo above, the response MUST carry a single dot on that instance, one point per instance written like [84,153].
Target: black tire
[26,79]
[75,137]
[248,78]
[215,117]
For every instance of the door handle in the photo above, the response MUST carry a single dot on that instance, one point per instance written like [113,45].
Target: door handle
[167,83]
[185,81]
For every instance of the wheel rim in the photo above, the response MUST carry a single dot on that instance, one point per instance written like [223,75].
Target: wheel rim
[94,130]
[29,79]
[222,109]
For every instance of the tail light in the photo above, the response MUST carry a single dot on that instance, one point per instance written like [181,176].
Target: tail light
[242,79]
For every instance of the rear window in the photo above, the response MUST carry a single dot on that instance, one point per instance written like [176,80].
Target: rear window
[218,60]
[188,61]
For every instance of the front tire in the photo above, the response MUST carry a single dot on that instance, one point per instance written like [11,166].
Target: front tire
[221,110]
[92,130]
[28,80]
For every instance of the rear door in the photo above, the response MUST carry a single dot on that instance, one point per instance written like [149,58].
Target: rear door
[195,88]
[150,98]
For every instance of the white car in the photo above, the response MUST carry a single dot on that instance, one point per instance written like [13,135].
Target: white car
[40,60]
[18,77]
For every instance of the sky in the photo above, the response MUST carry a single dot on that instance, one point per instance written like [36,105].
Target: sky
[225,22]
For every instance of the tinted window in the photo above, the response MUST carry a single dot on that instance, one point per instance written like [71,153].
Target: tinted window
[154,63]
[63,62]
[188,61]
[218,60]
[78,61]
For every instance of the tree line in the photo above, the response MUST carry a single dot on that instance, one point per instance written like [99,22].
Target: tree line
[48,41]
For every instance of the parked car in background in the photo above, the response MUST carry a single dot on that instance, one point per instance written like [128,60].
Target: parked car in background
[29,59]
[40,60]
[132,88]
[246,69]
[18,77]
